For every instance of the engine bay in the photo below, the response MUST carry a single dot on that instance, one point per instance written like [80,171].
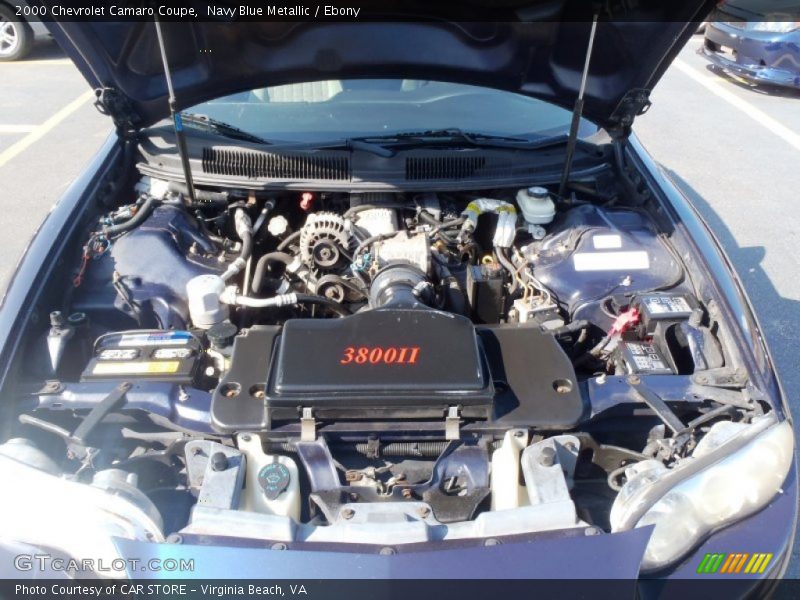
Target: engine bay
[416,366]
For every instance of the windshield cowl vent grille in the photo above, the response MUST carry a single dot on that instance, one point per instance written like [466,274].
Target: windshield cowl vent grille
[433,168]
[266,165]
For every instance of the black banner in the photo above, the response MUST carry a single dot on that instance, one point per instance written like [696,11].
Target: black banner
[370,589]
[243,11]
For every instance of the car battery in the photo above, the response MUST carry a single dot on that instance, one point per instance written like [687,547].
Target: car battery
[642,358]
[172,356]
[485,292]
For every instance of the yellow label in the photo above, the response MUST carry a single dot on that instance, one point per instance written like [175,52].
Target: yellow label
[136,368]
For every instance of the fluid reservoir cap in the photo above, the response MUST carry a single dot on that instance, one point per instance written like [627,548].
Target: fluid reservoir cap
[278,225]
[221,334]
[538,192]
[274,478]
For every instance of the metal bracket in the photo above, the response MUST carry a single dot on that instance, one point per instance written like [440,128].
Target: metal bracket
[112,103]
[723,378]
[308,426]
[635,102]
[452,424]
[51,387]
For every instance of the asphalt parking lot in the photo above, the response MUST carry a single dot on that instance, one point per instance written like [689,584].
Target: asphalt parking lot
[732,149]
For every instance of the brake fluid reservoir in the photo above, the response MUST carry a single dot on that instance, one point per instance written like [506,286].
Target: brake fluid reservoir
[536,205]
[506,490]
[272,485]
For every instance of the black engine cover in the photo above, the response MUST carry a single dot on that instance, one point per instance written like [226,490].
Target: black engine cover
[383,357]
[394,363]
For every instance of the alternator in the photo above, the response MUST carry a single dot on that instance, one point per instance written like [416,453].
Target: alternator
[323,241]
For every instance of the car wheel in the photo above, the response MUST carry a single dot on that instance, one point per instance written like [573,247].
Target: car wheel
[16,37]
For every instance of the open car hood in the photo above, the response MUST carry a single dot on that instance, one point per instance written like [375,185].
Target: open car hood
[526,49]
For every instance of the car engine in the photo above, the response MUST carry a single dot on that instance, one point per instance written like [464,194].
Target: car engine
[372,367]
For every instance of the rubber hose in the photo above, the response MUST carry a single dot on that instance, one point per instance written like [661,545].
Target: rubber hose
[263,262]
[136,220]
[285,243]
[503,260]
[326,302]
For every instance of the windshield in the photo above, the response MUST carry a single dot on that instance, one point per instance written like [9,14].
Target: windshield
[322,110]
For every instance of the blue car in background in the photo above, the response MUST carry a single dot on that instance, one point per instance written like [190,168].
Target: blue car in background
[760,43]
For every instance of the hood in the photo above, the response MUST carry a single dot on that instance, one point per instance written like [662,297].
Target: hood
[527,50]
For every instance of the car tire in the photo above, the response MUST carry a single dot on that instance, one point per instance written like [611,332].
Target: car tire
[16,37]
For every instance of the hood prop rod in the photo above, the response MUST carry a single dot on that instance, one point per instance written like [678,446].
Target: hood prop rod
[176,117]
[577,111]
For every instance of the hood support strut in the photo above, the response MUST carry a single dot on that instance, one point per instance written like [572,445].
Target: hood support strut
[176,117]
[577,111]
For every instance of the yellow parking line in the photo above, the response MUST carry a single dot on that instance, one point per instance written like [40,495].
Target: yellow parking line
[751,111]
[17,128]
[43,129]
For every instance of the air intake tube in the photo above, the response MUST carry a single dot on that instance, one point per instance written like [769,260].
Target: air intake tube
[401,285]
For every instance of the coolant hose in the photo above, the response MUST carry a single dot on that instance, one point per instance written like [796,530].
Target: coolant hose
[289,240]
[144,211]
[244,229]
[263,262]
[503,260]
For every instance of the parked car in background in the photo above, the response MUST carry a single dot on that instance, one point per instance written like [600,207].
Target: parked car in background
[18,31]
[761,47]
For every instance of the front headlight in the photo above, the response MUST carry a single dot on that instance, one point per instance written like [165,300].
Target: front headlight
[706,492]
[775,26]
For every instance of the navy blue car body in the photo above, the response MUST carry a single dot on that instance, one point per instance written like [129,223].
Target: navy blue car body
[191,432]
[761,48]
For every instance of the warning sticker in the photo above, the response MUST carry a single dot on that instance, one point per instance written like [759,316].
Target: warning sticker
[666,305]
[167,338]
[136,368]
[644,357]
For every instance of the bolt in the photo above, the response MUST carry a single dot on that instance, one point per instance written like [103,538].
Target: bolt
[348,513]
[387,551]
[423,511]
[548,457]
[407,493]
[519,433]
[197,451]
[491,542]
[279,546]
[634,379]
[219,462]
[592,531]
[174,538]
[354,496]
[570,446]
[245,438]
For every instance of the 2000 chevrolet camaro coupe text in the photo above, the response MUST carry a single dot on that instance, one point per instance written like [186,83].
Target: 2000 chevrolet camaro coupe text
[373,289]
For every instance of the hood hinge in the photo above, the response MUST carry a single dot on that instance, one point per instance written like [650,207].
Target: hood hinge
[634,103]
[114,104]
